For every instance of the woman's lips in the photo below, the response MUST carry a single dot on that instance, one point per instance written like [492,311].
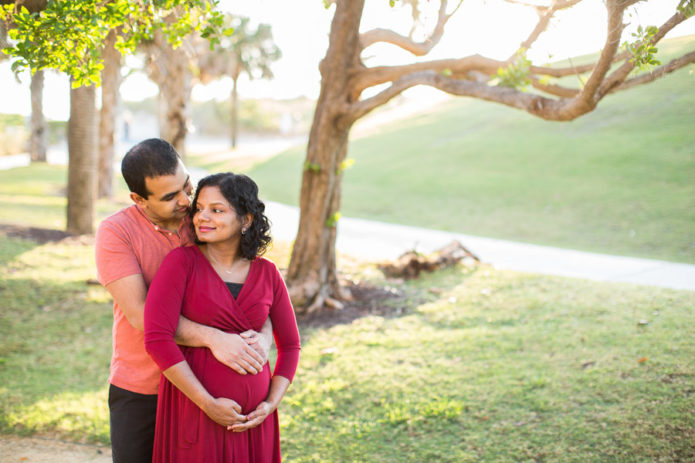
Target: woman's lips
[205,229]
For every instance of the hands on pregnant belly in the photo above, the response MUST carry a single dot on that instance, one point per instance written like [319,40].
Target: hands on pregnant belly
[235,395]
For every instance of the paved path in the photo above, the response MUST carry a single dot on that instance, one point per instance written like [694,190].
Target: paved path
[379,241]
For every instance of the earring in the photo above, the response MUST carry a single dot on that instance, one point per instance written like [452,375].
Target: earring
[243,231]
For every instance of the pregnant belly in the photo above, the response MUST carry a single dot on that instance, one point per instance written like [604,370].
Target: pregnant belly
[221,381]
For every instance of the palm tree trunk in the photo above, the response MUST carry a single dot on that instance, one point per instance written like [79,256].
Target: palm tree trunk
[169,69]
[110,81]
[235,111]
[37,142]
[82,160]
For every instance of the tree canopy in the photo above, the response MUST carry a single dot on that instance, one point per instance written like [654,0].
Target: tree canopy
[67,35]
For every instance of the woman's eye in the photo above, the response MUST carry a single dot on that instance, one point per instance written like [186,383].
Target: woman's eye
[217,210]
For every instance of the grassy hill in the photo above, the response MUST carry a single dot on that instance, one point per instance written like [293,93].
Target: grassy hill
[619,180]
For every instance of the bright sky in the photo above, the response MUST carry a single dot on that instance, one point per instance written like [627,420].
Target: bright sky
[492,28]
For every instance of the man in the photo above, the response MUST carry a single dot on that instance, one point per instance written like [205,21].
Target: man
[130,246]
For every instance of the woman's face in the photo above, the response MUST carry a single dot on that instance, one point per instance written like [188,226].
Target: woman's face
[215,219]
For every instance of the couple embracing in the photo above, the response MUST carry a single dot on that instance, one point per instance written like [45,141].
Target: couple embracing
[194,300]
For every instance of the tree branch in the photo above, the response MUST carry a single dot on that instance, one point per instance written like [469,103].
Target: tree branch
[544,17]
[620,74]
[537,105]
[657,73]
[552,89]
[460,68]
[407,43]
[587,97]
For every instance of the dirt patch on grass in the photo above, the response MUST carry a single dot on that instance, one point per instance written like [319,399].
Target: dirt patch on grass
[44,235]
[45,450]
[384,301]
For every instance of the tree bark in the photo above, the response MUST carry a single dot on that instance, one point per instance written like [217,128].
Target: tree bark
[235,111]
[82,160]
[312,275]
[37,142]
[110,82]
[168,68]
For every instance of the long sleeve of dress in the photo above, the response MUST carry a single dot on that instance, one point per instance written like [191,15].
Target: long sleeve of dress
[285,330]
[163,308]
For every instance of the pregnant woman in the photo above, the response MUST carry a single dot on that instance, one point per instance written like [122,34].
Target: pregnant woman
[207,412]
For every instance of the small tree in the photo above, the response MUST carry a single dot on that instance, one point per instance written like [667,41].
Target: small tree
[246,51]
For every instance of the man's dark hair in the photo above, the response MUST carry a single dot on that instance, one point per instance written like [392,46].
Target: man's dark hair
[242,194]
[153,157]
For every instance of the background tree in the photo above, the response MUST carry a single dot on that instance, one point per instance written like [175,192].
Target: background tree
[246,51]
[110,83]
[38,135]
[69,36]
[312,276]
[170,68]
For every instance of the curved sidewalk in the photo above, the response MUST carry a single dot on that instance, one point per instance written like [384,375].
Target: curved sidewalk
[380,241]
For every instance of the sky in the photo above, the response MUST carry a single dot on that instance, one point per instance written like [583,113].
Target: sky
[492,28]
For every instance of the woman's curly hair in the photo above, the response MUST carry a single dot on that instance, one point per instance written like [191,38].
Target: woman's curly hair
[242,194]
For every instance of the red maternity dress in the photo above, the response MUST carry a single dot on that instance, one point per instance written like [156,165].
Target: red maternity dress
[186,284]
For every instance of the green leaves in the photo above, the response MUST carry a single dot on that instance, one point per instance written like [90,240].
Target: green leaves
[516,74]
[332,221]
[687,7]
[642,50]
[68,34]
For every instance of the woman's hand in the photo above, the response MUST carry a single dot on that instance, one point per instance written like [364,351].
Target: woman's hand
[225,412]
[254,418]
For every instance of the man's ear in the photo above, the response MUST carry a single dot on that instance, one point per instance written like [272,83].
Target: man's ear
[137,199]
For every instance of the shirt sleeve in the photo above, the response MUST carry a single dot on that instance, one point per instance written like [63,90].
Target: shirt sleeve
[114,254]
[285,329]
[163,309]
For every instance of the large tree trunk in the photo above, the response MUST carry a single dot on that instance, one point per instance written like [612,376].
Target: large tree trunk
[110,82]
[82,163]
[312,275]
[235,110]
[37,142]
[168,68]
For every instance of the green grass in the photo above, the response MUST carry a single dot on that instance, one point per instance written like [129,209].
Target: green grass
[56,343]
[618,180]
[36,196]
[501,367]
[481,365]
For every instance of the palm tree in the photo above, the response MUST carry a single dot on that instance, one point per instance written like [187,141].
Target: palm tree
[169,68]
[110,82]
[246,51]
[82,152]
[37,140]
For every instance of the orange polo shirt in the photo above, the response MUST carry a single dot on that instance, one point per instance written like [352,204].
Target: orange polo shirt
[128,243]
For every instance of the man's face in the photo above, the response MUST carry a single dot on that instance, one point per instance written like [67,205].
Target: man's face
[170,196]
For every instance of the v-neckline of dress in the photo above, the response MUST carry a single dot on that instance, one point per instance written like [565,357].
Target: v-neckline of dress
[224,283]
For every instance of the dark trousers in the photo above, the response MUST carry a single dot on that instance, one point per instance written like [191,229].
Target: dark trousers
[132,425]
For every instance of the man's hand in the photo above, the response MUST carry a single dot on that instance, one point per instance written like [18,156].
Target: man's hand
[259,342]
[232,350]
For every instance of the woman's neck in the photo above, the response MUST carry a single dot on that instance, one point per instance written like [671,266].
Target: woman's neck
[226,254]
